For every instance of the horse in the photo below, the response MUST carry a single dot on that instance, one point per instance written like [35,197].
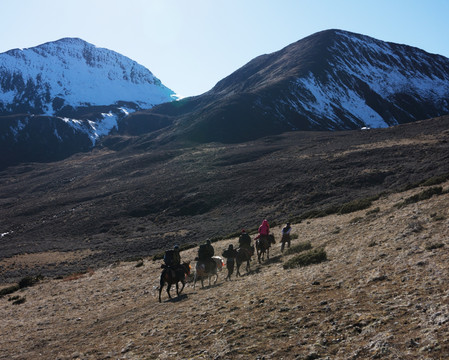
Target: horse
[167,277]
[201,273]
[263,245]
[243,254]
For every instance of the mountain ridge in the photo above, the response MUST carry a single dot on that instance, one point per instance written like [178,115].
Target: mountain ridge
[331,80]
[60,97]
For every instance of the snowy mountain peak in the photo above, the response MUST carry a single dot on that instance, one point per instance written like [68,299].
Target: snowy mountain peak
[72,73]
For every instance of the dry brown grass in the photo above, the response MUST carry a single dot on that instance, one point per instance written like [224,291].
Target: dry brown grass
[382,294]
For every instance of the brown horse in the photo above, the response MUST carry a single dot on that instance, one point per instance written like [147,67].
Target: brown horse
[174,276]
[263,245]
[243,254]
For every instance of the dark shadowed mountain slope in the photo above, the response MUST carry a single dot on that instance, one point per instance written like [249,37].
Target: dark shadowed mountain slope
[332,80]
[134,202]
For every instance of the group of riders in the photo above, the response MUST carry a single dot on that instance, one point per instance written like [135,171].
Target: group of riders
[172,258]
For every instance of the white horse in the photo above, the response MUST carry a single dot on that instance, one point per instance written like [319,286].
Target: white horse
[201,273]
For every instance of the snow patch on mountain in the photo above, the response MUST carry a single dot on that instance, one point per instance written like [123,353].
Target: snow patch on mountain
[73,72]
[371,83]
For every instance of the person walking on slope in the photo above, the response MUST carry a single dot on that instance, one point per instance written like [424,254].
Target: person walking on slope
[230,254]
[285,236]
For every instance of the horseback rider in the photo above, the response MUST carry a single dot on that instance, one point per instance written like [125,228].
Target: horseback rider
[172,260]
[264,230]
[205,253]
[285,236]
[244,240]
[230,254]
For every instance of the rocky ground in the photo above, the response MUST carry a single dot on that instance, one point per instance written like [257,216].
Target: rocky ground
[382,294]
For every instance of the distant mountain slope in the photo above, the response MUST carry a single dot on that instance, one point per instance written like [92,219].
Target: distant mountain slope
[60,97]
[331,80]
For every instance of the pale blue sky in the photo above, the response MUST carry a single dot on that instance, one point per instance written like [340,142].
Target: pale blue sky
[192,44]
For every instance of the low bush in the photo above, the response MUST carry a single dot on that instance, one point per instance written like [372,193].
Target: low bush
[310,257]
[356,220]
[434,246]
[356,205]
[423,195]
[29,281]
[9,290]
[19,301]
[346,208]
[373,211]
[299,248]
[139,264]
[436,180]
[23,283]
[294,236]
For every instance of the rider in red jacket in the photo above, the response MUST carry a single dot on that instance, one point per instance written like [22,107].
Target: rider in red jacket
[264,228]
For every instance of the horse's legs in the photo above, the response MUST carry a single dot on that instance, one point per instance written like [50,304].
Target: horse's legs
[177,289]
[161,285]
[247,266]
[182,287]
[168,290]
[268,253]
[160,290]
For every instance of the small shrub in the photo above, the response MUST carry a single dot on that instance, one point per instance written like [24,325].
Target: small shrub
[29,281]
[355,205]
[9,290]
[19,301]
[187,246]
[436,180]
[373,211]
[299,248]
[139,264]
[310,257]
[158,256]
[336,231]
[434,246]
[355,220]
[415,226]
[423,195]
[437,217]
